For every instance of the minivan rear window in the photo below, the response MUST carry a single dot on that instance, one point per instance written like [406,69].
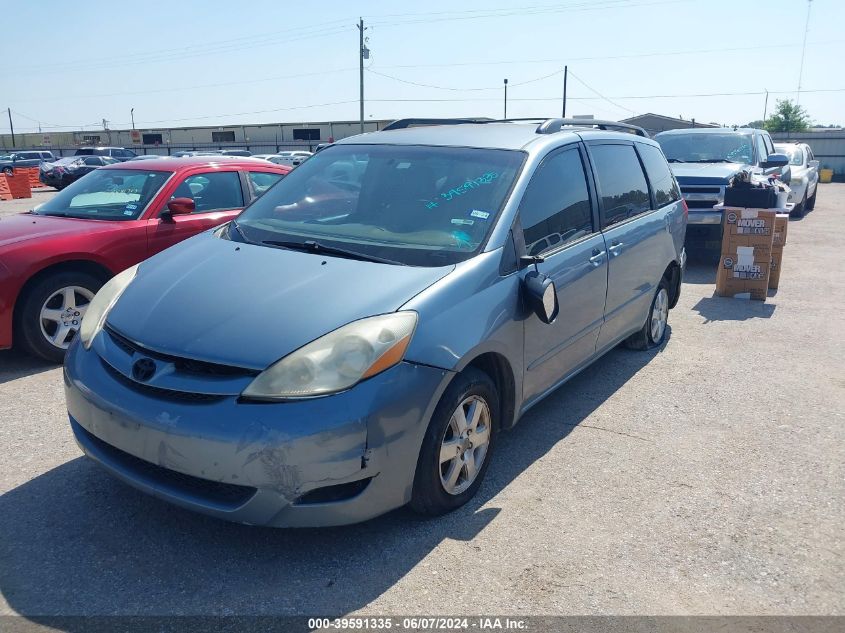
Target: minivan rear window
[622,184]
[662,183]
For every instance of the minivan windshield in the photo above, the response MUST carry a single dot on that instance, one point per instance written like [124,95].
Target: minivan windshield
[707,148]
[107,194]
[411,204]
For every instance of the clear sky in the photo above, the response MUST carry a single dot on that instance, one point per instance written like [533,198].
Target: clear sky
[209,62]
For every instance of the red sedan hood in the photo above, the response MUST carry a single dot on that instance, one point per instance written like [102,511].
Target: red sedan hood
[28,226]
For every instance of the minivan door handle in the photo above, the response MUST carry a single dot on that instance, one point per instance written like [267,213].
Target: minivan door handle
[615,247]
[597,258]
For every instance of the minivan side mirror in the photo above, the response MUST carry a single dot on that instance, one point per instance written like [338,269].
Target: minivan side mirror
[541,295]
[775,160]
[177,206]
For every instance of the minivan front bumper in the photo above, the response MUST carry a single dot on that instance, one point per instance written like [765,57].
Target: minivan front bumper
[324,461]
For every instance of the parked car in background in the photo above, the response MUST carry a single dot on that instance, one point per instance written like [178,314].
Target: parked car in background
[324,370]
[292,158]
[148,157]
[118,153]
[62,172]
[55,258]
[235,152]
[704,160]
[31,158]
[196,152]
[805,176]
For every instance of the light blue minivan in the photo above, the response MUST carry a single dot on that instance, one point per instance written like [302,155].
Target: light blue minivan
[357,337]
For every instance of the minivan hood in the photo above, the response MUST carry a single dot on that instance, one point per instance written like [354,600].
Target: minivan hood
[246,305]
[705,173]
[29,226]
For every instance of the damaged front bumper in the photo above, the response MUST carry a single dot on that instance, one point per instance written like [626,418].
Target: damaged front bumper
[324,461]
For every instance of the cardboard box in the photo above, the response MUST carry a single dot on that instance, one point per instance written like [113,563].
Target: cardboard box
[781,229]
[753,226]
[744,270]
[775,268]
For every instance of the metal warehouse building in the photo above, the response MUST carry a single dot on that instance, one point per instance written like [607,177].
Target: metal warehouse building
[265,138]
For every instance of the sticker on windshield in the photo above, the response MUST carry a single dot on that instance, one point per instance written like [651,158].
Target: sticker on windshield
[471,183]
[131,207]
[128,213]
[462,221]
[478,213]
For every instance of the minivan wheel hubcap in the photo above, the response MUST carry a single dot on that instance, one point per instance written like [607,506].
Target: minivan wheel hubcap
[659,315]
[463,448]
[62,313]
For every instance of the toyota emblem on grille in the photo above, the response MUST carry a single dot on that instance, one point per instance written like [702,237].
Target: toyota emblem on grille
[143,369]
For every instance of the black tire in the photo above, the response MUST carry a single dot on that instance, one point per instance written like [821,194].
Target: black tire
[29,325]
[429,495]
[644,339]
[800,209]
[811,201]
[8,171]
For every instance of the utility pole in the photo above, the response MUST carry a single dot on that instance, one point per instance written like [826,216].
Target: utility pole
[765,106]
[132,114]
[506,99]
[803,49]
[362,51]
[565,75]
[11,125]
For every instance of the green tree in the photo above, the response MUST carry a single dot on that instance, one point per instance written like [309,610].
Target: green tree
[788,117]
[757,124]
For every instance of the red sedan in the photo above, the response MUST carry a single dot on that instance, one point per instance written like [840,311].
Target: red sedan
[55,258]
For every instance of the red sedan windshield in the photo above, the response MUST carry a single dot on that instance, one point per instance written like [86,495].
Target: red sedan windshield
[107,194]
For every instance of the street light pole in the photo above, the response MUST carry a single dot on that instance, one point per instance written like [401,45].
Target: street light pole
[506,99]
[132,114]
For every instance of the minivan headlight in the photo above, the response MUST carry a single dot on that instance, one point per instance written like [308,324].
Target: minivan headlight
[101,304]
[338,360]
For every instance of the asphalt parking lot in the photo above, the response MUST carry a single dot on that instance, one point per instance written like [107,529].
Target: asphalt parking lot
[706,477]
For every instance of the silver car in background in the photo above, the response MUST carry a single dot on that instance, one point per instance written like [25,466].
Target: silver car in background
[805,176]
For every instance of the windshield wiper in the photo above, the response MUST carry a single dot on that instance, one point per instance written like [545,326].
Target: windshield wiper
[311,246]
[712,160]
[675,160]
[240,232]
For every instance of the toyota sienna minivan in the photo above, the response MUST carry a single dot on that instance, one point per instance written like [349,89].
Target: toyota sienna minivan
[357,337]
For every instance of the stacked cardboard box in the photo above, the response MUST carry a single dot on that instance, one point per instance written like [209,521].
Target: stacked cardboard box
[746,258]
[778,242]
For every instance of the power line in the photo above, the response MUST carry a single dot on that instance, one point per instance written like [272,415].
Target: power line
[187,53]
[609,57]
[414,83]
[526,11]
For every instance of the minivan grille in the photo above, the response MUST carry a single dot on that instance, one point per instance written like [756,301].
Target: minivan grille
[181,364]
[158,392]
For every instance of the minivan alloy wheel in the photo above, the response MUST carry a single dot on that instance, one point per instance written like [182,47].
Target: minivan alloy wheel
[61,314]
[464,445]
[659,314]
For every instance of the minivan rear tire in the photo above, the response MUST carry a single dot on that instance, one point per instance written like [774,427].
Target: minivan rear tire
[430,496]
[644,339]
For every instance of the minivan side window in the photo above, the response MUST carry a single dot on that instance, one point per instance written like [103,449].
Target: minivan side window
[556,206]
[662,184]
[624,192]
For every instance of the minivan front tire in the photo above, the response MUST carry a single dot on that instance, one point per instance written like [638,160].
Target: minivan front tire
[656,324]
[458,444]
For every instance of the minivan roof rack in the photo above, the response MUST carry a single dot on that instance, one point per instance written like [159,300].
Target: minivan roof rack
[550,126]
[546,126]
[401,124]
